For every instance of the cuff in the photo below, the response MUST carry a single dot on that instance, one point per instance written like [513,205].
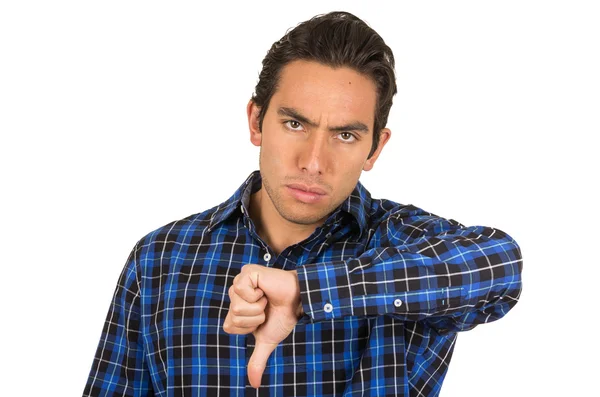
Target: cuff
[325,290]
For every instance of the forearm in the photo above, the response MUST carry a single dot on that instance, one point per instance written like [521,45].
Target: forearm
[449,274]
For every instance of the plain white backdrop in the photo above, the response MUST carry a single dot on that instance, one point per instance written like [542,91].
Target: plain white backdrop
[117,117]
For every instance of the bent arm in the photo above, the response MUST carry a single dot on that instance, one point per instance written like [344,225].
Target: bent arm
[454,277]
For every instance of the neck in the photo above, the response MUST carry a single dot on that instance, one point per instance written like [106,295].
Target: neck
[276,231]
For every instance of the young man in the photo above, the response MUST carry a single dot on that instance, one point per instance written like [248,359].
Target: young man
[301,284]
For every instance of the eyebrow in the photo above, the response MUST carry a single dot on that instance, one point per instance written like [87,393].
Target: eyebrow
[293,113]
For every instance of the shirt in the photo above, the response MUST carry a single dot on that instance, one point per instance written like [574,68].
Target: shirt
[385,288]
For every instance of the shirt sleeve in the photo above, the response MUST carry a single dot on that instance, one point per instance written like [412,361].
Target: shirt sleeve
[452,276]
[119,368]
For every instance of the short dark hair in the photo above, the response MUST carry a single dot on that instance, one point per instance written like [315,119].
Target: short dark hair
[336,39]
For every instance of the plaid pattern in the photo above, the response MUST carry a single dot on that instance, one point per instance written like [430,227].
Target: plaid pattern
[385,288]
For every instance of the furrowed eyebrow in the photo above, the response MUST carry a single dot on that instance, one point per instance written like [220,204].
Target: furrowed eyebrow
[293,113]
[356,126]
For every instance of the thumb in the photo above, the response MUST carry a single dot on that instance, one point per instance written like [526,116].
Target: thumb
[258,362]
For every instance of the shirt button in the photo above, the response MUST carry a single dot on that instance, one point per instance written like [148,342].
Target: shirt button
[328,308]
[328,235]
[397,303]
[267,257]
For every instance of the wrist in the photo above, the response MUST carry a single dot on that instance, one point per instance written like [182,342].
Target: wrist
[299,308]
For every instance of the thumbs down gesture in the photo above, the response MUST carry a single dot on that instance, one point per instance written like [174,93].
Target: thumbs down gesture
[266,302]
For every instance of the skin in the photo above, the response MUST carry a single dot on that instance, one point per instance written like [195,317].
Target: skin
[311,134]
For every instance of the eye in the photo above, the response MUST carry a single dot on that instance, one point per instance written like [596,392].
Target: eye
[293,125]
[347,137]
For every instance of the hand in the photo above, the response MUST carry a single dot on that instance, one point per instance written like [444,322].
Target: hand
[266,302]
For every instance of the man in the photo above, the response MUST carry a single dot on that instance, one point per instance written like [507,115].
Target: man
[301,284]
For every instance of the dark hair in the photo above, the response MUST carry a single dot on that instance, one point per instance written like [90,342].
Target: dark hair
[335,39]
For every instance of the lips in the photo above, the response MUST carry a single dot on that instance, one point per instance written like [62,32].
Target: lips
[306,194]
[309,189]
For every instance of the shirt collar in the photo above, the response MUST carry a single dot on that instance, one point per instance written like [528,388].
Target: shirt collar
[357,204]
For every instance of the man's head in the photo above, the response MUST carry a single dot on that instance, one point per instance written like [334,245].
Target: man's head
[336,39]
[319,112]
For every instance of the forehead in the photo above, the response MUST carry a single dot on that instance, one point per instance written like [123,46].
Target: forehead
[318,90]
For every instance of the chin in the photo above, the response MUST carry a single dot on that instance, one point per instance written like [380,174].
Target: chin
[304,220]
[302,217]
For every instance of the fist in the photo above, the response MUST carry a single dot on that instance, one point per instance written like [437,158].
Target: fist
[247,305]
[266,302]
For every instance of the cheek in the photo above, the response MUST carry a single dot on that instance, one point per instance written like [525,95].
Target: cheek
[350,163]
[274,154]
[348,178]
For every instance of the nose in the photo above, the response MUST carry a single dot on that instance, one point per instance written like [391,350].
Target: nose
[314,155]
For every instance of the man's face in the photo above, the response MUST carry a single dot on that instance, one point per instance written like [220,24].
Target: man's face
[316,135]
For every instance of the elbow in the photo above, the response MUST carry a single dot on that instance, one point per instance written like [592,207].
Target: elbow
[509,287]
[511,284]
[510,256]
[514,268]
[499,274]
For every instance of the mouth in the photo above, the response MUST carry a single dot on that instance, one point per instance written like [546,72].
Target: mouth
[306,194]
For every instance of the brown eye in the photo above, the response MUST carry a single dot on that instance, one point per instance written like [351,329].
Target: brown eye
[294,125]
[347,137]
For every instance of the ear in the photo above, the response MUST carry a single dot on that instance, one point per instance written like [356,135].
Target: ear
[252,110]
[385,135]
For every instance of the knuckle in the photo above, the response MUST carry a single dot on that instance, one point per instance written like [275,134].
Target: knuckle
[237,288]
[231,330]
[248,267]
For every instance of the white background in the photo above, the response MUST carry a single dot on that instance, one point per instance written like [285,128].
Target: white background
[117,117]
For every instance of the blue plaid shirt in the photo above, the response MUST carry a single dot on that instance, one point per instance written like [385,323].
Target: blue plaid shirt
[385,288]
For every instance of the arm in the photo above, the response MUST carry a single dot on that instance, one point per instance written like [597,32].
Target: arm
[452,276]
[119,368]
